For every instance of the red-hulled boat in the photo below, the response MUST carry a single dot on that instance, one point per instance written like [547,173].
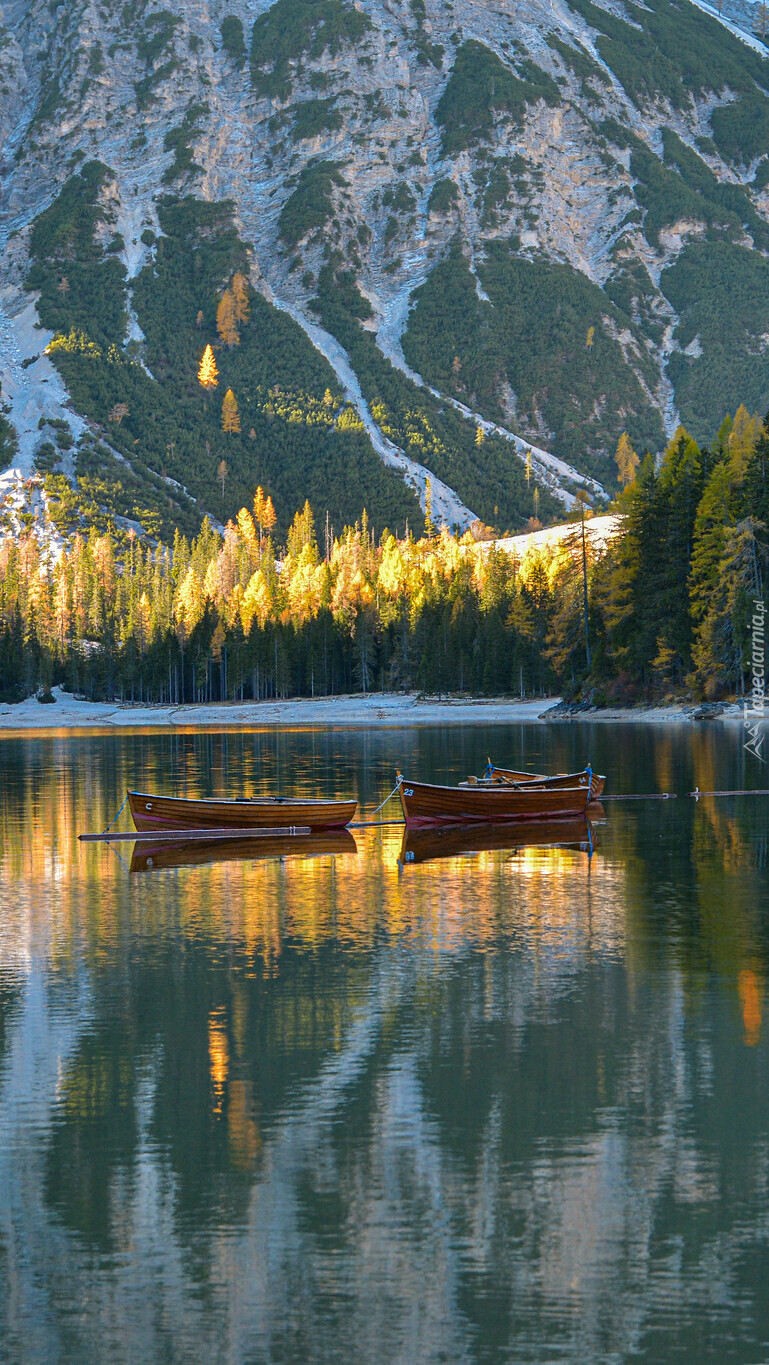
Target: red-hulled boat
[151,813]
[425,803]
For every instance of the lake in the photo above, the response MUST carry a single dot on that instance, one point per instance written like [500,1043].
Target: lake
[384,1103]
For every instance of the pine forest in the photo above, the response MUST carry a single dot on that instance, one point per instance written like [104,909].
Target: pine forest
[239,615]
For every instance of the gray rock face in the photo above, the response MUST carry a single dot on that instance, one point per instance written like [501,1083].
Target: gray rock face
[536,169]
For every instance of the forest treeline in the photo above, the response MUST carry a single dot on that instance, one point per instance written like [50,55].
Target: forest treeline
[669,604]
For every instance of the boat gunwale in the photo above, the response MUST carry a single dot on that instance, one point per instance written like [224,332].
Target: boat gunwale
[500,790]
[247,800]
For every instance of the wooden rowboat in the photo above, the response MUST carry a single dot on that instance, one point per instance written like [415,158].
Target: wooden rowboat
[152,812]
[453,841]
[198,852]
[508,776]
[424,803]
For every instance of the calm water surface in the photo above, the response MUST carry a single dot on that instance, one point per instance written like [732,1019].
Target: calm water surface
[496,1105]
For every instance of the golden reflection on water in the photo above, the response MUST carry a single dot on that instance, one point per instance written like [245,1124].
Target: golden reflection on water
[500,1054]
[64,899]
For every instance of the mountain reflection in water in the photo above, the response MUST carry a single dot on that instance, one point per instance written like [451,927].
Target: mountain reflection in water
[506,1103]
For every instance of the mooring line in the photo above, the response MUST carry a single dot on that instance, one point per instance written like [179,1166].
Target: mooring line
[672,796]
[387,798]
[115,818]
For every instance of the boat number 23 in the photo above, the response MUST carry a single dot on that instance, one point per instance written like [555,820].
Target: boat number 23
[408,791]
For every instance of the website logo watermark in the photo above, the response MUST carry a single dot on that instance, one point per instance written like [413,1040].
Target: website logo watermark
[754,706]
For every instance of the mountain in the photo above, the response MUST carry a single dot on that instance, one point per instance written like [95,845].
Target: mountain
[460,243]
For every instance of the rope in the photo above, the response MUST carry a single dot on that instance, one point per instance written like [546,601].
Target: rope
[116,817]
[387,798]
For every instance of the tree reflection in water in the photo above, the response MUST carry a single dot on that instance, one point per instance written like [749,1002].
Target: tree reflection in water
[497,1105]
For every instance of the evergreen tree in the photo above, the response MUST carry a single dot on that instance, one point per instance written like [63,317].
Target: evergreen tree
[634,612]
[722,645]
[682,478]
[755,500]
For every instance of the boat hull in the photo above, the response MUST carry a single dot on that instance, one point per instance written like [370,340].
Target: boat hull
[426,804]
[598,782]
[151,813]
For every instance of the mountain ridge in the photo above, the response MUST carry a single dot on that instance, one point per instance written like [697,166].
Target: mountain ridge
[560,183]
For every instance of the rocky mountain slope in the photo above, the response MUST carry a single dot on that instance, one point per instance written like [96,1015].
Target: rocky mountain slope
[480,242]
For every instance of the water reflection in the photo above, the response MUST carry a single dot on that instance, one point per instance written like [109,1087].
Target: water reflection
[156,854]
[451,841]
[503,1103]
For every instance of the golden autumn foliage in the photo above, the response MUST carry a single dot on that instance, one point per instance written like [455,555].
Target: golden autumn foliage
[240,298]
[230,413]
[687,559]
[226,323]
[208,374]
[626,460]
[264,512]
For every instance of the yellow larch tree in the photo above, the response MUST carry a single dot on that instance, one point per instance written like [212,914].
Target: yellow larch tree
[212,588]
[429,525]
[188,603]
[259,508]
[208,374]
[393,569]
[240,299]
[256,603]
[264,512]
[626,459]
[226,321]
[742,439]
[304,585]
[247,533]
[230,413]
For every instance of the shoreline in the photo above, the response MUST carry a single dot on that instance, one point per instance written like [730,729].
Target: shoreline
[377,711]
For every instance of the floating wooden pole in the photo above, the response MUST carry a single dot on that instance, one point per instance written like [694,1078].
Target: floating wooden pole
[637,796]
[743,791]
[178,836]
[373,824]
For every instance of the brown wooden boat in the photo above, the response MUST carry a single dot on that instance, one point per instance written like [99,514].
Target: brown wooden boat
[198,852]
[424,803]
[508,776]
[453,841]
[152,812]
